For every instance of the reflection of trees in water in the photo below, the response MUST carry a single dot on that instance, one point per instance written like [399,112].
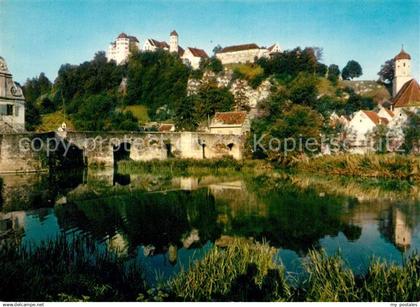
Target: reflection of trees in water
[159,220]
[33,191]
[297,219]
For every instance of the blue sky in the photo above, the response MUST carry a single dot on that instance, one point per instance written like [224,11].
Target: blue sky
[39,36]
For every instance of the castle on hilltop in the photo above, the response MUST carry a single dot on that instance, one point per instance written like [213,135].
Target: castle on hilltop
[124,45]
[120,49]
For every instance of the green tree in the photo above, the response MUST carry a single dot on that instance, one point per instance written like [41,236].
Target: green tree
[387,72]
[333,73]
[303,89]
[217,48]
[213,64]
[156,79]
[379,136]
[321,70]
[296,127]
[351,70]
[193,110]
[32,116]
[288,64]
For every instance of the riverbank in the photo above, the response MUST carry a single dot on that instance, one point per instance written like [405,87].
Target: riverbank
[76,270]
[364,166]
[388,166]
[193,167]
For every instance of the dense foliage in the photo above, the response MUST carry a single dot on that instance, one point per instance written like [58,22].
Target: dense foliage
[157,80]
[196,108]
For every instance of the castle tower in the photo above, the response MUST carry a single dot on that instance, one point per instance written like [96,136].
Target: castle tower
[173,42]
[402,71]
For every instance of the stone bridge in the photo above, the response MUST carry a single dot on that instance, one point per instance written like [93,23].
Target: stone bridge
[27,152]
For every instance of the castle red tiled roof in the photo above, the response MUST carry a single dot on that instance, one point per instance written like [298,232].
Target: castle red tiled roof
[408,95]
[230,118]
[239,48]
[173,33]
[198,52]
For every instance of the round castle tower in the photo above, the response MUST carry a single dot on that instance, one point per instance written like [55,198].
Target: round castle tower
[173,42]
[402,71]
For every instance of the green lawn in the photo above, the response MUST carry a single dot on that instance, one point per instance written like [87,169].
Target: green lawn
[139,111]
[52,121]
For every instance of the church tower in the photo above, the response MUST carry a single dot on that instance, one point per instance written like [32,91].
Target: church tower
[173,42]
[402,71]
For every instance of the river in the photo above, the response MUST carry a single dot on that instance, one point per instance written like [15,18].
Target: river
[166,222]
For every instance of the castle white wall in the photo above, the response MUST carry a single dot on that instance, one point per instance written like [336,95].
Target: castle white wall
[243,56]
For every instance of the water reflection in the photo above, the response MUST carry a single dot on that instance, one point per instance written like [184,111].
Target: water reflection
[165,222]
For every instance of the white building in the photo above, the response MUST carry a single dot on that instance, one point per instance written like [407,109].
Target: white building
[402,71]
[120,49]
[153,45]
[190,56]
[173,46]
[247,53]
[360,128]
[12,102]
[193,57]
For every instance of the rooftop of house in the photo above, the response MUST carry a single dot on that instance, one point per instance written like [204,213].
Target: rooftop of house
[198,52]
[375,118]
[173,33]
[158,44]
[166,127]
[229,118]
[271,47]
[408,95]
[239,48]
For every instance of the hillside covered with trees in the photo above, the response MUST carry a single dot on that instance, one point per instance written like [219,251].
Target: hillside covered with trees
[100,95]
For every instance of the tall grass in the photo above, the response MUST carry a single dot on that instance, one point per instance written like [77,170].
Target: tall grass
[190,166]
[369,165]
[66,270]
[246,272]
[76,270]
[242,272]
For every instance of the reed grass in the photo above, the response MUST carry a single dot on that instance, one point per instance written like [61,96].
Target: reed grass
[369,165]
[77,270]
[191,166]
[225,275]
[66,269]
[240,272]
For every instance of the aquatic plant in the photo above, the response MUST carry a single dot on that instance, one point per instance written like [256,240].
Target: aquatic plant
[66,269]
[242,272]
[369,165]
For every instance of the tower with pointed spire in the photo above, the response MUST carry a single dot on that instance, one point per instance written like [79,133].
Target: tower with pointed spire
[173,42]
[402,71]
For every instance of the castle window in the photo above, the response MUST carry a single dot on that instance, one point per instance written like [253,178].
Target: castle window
[404,64]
